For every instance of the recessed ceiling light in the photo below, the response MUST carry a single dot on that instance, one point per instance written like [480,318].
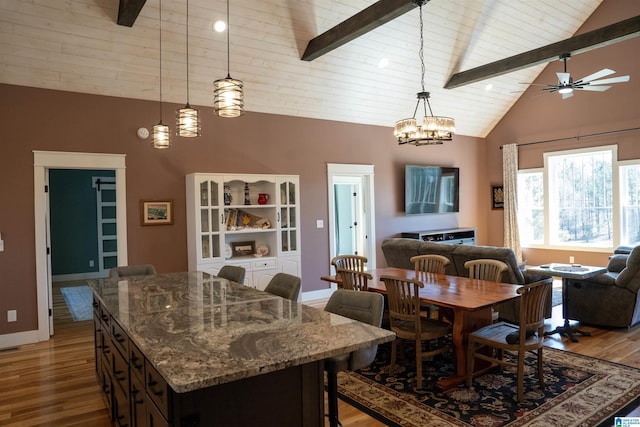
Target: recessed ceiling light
[220,26]
[383,63]
[488,87]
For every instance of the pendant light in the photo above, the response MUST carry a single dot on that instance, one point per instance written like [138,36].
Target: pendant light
[161,135]
[228,96]
[434,129]
[187,118]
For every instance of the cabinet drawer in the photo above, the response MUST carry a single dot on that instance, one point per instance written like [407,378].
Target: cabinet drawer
[120,338]
[136,361]
[120,372]
[265,264]
[154,417]
[121,413]
[105,318]
[95,304]
[138,403]
[158,389]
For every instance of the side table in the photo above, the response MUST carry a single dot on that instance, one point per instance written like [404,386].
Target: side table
[568,271]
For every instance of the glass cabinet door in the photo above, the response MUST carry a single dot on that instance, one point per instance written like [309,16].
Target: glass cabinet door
[210,219]
[288,215]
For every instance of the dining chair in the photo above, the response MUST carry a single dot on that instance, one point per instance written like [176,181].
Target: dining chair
[528,335]
[487,269]
[350,262]
[232,272]
[435,264]
[355,280]
[365,307]
[406,321]
[132,270]
[284,285]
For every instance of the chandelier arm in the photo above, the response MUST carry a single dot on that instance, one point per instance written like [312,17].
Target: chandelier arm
[429,104]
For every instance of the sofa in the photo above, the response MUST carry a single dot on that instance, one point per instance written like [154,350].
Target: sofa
[398,252]
[610,299]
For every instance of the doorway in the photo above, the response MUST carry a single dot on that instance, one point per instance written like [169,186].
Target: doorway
[351,211]
[43,162]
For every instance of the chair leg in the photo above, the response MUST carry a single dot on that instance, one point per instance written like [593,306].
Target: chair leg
[470,362]
[392,366]
[418,364]
[332,392]
[520,375]
[540,369]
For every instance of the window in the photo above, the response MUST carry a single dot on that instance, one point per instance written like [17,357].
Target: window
[570,202]
[630,203]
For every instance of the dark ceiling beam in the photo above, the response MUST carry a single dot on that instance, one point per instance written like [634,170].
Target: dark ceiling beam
[128,11]
[362,22]
[604,36]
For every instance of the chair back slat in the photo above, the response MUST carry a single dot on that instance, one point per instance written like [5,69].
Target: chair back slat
[355,280]
[430,263]
[486,269]
[349,262]
[532,302]
[404,300]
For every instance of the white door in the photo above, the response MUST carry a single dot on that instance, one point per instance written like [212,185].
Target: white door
[351,211]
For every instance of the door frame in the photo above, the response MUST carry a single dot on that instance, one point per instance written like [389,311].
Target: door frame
[366,174]
[42,162]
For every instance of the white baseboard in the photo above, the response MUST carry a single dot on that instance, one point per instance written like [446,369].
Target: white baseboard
[319,294]
[17,339]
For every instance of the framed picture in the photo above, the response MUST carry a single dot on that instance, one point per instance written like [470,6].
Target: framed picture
[497,197]
[243,248]
[156,212]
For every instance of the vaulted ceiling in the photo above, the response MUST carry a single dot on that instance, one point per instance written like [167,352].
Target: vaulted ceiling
[77,45]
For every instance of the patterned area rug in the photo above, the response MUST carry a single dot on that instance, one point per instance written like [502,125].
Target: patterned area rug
[78,299]
[580,391]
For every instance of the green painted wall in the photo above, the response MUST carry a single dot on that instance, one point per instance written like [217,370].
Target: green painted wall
[72,207]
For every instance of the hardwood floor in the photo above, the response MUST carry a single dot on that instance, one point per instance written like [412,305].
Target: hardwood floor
[53,383]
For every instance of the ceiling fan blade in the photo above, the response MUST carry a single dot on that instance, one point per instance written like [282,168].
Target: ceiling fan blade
[602,73]
[567,95]
[620,79]
[564,78]
[594,88]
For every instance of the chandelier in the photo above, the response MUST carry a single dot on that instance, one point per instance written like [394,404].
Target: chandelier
[161,135]
[432,129]
[188,118]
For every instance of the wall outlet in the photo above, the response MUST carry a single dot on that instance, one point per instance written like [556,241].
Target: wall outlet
[91,263]
[571,260]
[12,315]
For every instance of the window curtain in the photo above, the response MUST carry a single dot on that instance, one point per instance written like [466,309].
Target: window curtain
[510,177]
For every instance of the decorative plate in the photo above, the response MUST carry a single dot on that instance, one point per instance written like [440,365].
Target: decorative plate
[227,251]
[262,250]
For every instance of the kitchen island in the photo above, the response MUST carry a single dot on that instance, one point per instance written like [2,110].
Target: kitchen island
[191,349]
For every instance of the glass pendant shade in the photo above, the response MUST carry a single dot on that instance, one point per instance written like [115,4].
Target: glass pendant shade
[161,136]
[188,122]
[228,97]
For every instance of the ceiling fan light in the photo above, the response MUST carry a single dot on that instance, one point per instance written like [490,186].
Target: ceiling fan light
[565,90]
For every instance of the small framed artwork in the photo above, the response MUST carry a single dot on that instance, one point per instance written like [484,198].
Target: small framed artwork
[156,212]
[243,248]
[497,197]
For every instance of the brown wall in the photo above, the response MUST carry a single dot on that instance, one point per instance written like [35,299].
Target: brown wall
[37,119]
[539,116]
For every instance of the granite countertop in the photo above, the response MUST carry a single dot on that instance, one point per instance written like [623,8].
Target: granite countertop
[198,330]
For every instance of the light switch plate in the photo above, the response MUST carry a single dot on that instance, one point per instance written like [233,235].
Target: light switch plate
[319,223]
[1,245]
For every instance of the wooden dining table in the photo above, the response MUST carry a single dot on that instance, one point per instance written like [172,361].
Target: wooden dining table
[470,299]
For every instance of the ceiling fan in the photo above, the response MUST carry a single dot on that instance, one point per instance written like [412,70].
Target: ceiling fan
[566,85]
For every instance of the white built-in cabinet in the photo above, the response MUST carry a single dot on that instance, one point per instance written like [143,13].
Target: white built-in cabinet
[230,223]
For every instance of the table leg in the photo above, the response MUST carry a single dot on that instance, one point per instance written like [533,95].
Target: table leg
[463,323]
[567,330]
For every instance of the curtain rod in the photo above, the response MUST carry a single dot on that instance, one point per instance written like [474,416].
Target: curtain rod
[577,137]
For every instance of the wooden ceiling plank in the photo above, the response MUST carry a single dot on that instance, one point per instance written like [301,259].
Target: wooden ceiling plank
[362,22]
[581,43]
[128,11]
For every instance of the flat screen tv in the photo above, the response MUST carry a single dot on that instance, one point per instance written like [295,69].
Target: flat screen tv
[431,189]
